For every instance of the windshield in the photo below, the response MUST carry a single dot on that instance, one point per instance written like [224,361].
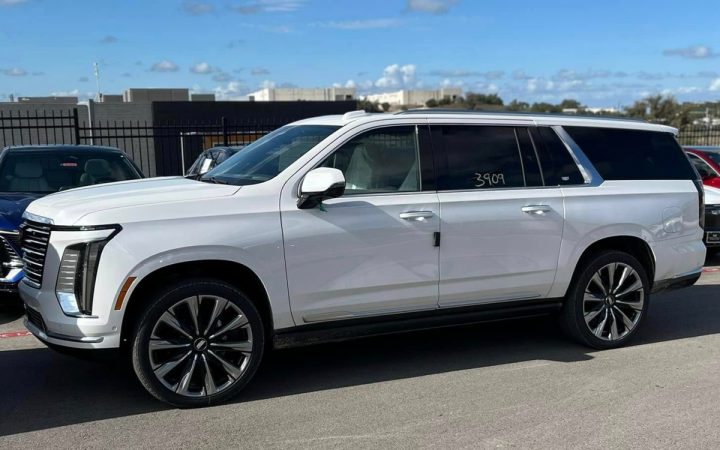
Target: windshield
[60,170]
[265,158]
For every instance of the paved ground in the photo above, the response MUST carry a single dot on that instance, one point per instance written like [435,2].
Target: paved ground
[510,384]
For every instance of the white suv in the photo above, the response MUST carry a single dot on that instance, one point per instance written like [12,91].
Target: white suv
[342,226]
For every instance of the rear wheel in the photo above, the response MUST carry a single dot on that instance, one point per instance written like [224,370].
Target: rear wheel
[198,343]
[608,301]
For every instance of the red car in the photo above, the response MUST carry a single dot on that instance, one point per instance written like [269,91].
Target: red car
[707,162]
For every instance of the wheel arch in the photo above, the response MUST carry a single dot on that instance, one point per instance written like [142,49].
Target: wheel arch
[231,272]
[632,245]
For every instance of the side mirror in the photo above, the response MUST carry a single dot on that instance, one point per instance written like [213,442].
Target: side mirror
[320,184]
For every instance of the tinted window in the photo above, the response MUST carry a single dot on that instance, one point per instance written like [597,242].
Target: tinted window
[478,157]
[701,166]
[558,166]
[54,171]
[632,154]
[383,160]
[533,176]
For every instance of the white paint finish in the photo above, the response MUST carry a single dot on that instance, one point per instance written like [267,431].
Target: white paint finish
[69,207]
[321,179]
[491,250]
[632,208]
[356,256]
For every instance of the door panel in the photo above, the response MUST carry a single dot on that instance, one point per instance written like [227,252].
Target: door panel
[501,228]
[373,250]
[357,257]
[492,250]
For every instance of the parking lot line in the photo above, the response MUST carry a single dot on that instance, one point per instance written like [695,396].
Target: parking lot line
[14,334]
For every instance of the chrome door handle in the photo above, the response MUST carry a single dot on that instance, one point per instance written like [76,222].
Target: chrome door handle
[416,215]
[536,209]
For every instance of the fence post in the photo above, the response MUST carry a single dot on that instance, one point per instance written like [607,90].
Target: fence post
[224,131]
[76,122]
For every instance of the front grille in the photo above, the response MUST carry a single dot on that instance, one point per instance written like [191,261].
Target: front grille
[34,239]
[712,217]
[35,318]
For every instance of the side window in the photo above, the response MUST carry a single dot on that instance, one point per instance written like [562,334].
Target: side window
[701,166]
[533,175]
[622,154]
[558,167]
[379,161]
[478,157]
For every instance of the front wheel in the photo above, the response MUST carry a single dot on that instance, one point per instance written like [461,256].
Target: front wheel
[608,301]
[198,343]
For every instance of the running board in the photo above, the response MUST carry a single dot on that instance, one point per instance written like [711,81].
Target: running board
[348,329]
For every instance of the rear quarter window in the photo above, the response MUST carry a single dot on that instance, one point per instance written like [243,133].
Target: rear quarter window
[619,154]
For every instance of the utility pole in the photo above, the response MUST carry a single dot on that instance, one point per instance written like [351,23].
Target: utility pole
[96,69]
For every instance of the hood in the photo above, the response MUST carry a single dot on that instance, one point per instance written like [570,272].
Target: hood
[67,207]
[12,206]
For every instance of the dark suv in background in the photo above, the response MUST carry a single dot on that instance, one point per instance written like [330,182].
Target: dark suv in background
[30,172]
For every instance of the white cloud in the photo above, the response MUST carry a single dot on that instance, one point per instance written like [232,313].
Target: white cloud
[365,24]
[222,77]
[396,76]
[233,90]
[73,93]
[281,29]
[430,6]
[11,2]
[260,6]
[259,71]
[197,8]
[15,72]
[164,66]
[715,85]
[267,84]
[692,52]
[202,68]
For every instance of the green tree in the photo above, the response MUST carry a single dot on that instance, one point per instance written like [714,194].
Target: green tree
[569,103]
[545,107]
[368,106]
[432,103]
[385,106]
[517,105]
[473,100]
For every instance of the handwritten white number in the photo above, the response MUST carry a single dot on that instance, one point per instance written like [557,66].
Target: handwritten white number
[489,179]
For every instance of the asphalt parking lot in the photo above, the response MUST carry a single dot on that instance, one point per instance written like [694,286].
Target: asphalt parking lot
[506,384]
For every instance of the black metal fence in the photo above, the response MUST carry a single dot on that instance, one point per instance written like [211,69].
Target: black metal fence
[700,135]
[159,149]
[170,148]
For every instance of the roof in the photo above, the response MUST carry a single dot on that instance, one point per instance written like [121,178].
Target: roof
[360,117]
[58,147]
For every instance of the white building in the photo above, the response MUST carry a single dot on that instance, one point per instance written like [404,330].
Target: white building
[305,94]
[415,97]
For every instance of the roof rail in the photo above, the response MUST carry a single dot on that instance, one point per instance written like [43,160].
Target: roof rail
[514,113]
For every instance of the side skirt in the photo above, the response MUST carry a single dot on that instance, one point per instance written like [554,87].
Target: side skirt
[342,330]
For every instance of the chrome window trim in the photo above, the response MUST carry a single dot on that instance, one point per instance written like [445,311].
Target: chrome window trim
[588,171]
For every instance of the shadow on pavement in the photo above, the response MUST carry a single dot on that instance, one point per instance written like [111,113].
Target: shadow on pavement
[11,308]
[43,390]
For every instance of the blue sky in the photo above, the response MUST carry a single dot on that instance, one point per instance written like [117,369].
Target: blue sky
[603,53]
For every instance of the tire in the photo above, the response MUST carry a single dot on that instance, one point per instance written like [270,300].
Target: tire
[202,361]
[612,287]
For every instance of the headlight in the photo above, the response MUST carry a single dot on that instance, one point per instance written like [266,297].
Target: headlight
[76,277]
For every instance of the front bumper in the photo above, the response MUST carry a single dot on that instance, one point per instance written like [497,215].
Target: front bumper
[44,319]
